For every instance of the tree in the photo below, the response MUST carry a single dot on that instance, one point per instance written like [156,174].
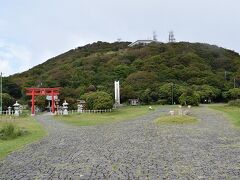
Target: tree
[170,92]
[7,101]
[11,88]
[121,71]
[98,100]
[127,92]
[148,96]
[189,97]
[207,92]
[41,102]
[68,92]
[141,80]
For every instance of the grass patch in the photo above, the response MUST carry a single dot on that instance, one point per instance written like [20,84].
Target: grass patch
[125,113]
[232,112]
[175,120]
[10,131]
[19,131]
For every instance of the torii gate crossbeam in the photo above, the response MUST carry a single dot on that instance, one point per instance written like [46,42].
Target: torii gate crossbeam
[42,92]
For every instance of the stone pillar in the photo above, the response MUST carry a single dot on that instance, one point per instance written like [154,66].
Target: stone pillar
[117,92]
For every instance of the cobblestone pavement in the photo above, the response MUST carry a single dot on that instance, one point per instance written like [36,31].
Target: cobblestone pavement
[135,149]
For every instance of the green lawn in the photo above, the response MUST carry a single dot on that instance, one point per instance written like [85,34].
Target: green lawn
[230,111]
[175,120]
[35,130]
[125,113]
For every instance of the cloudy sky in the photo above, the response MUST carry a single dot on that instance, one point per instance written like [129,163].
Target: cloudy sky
[32,31]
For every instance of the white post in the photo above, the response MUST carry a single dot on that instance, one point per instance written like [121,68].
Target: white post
[9,110]
[117,92]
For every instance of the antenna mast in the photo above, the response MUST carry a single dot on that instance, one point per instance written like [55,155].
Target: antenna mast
[154,36]
[171,37]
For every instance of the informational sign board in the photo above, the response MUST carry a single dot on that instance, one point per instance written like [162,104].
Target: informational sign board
[49,98]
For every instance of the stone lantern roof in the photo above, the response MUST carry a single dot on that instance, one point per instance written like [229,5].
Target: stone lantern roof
[65,103]
[16,104]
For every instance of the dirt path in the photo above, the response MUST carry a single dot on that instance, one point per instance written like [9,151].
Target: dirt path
[131,150]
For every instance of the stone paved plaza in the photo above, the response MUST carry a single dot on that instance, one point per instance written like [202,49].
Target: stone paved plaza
[136,149]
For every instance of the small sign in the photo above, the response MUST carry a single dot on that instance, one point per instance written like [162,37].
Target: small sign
[49,98]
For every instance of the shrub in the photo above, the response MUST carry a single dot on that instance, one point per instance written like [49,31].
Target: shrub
[91,88]
[232,93]
[98,100]
[234,103]
[10,131]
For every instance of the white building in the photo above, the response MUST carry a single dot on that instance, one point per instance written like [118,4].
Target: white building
[141,42]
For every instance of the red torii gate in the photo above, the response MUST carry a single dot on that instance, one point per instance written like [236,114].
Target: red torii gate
[42,92]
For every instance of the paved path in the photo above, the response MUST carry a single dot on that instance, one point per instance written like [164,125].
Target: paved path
[131,150]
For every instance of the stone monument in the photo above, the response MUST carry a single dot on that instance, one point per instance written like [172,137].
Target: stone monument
[117,93]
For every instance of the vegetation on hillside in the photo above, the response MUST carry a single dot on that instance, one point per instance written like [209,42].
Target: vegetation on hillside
[152,73]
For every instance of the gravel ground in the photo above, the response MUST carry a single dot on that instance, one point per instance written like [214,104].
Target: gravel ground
[136,149]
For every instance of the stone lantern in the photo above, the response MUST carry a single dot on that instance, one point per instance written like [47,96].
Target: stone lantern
[80,108]
[80,105]
[16,107]
[65,108]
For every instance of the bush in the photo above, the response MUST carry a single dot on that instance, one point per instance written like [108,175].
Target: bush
[98,100]
[232,93]
[234,103]
[10,131]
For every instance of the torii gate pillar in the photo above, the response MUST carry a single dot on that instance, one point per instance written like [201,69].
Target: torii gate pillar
[33,105]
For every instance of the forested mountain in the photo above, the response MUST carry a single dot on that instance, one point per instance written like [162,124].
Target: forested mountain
[149,72]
